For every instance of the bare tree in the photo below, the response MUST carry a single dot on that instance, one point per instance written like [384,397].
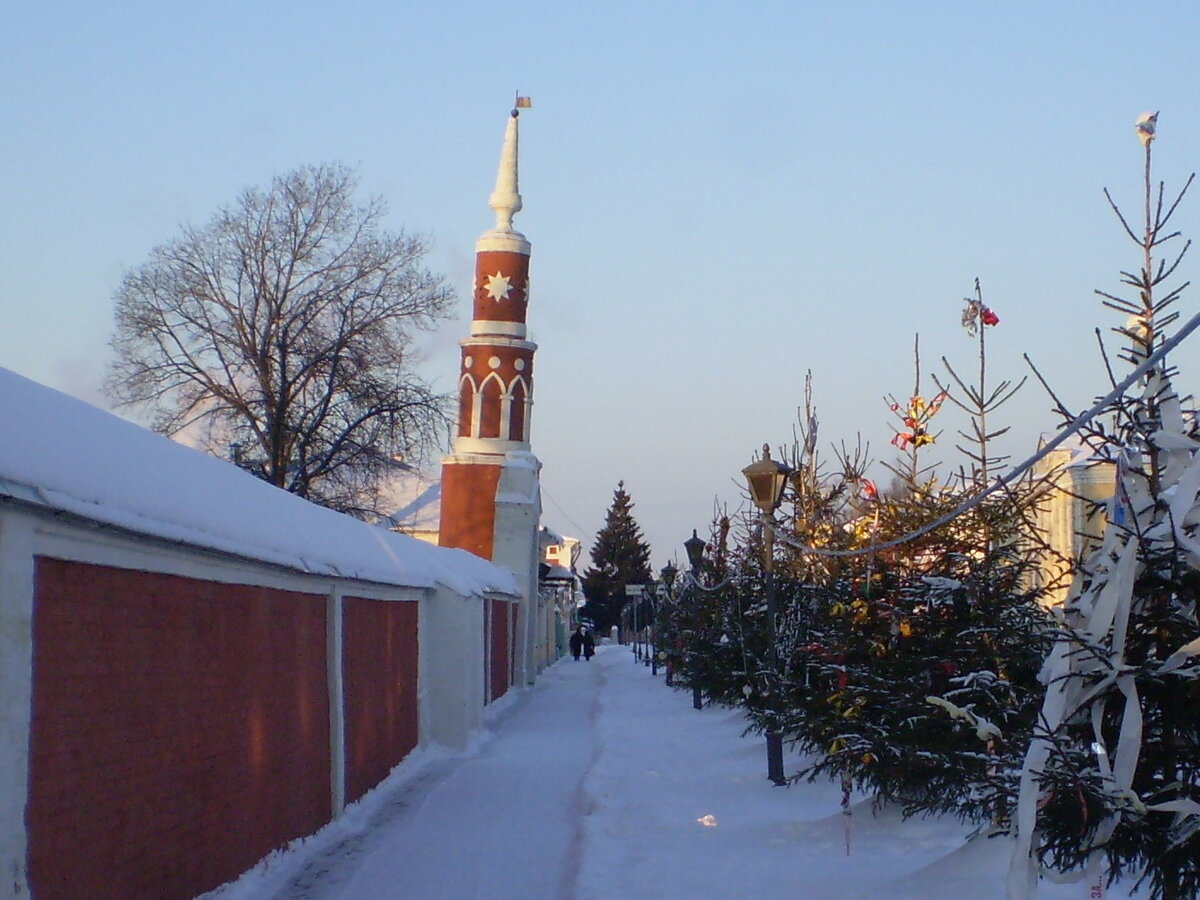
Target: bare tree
[279,336]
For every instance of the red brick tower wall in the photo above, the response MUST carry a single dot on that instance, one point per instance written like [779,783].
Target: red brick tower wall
[492,372]
[468,515]
[497,362]
[489,302]
[180,730]
[379,677]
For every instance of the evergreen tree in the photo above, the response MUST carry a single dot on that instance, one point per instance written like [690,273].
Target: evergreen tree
[619,557]
[914,676]
[691,623]
[1114,773]
[924,663]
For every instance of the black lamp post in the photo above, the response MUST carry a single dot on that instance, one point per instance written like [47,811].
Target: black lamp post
[668,575]
[637,628]
[766,480]
[648,597]
[695,553]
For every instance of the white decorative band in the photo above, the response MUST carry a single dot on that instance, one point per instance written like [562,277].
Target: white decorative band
[488,326]
[503,241]
[470,446]
[498,341]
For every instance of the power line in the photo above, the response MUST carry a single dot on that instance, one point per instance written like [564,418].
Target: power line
[583,532]
[1077,423]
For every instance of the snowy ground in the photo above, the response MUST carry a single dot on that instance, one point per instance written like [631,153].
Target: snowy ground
[599,783]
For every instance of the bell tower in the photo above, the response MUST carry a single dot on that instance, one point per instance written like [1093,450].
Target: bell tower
[490,497]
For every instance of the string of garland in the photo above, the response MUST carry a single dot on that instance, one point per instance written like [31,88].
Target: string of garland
[1019,471]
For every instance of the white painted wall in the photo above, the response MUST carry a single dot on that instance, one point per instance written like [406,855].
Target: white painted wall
[16,645]
[337,708]
[516,547]
[452,680]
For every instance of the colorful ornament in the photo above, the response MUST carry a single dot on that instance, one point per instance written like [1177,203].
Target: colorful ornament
[975,313]
[916,420]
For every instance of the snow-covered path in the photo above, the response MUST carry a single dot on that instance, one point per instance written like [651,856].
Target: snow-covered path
[505,823]
[598,783]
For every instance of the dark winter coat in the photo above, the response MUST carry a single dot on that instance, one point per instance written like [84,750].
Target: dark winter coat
[577,641]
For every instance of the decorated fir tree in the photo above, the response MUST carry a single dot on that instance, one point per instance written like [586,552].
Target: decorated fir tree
[920,681]
[1112,779]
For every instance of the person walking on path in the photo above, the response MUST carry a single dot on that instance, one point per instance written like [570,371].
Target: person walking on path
[589,646]
[577,642]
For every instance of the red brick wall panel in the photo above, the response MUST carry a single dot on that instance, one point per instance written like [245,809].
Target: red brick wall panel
[379,677]
[501,648]
[515,266]
[468,516]
[489,408]
[180,730]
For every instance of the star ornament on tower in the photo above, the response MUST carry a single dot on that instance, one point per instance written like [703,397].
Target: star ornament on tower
[498,287]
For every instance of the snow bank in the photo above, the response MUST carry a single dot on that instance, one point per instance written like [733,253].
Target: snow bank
[73,457]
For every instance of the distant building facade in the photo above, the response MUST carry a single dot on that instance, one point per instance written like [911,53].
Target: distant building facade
[1070,521]
[560,593]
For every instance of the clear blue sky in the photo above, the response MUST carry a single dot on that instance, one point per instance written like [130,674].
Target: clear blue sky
[719,198]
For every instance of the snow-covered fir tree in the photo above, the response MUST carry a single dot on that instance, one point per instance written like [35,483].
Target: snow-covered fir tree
[1112,779]
[620,557]
[917,681]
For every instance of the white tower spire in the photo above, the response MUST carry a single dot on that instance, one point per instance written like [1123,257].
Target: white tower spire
[506,198]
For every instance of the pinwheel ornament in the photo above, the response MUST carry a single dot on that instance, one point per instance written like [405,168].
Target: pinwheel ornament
[916,420]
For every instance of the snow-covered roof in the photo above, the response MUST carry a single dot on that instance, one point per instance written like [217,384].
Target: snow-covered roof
[66,455]
[418,502]
[555,572]
[1078,452]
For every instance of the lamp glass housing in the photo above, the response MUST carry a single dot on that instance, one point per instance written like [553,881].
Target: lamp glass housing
[766,480]
[695,550]
[668,574]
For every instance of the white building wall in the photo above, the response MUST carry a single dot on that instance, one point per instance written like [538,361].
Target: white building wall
[452,677]
[515,547]
[1067,520]
[16,668]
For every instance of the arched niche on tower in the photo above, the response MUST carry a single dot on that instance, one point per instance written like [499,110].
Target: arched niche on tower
[518,413]
[491,403]
[468,412]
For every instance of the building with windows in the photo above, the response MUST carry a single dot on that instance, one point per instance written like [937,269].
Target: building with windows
[1071,519]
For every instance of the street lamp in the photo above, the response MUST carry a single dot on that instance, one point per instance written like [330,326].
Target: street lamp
[633,593]
[695,553]
[766,480]
[649,595]
[668,575]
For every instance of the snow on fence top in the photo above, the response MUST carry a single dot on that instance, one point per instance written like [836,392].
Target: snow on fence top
[67,455]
